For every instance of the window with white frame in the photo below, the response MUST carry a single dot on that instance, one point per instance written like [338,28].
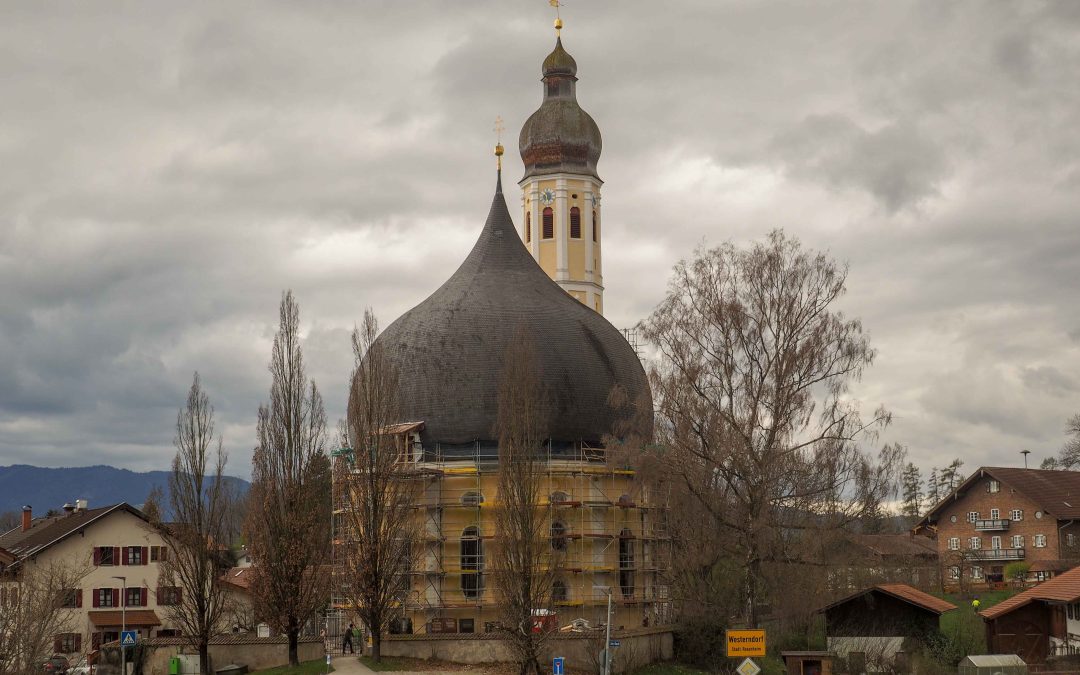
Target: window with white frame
[1018,541]
[973,516]
[995,542]
[975,543]
[976,573]
[1040,541]
[1070,539]
[1017,514]
[993,486]
[954,543]
[995,514]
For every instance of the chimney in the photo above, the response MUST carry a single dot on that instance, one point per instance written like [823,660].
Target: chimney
[68,508]
[80,504]
[27,517]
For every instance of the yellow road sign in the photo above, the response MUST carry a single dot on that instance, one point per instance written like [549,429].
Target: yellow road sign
[746,642]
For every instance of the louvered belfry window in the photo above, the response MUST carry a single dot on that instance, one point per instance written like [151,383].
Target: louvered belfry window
[575,223]
[549,223]
[528,227]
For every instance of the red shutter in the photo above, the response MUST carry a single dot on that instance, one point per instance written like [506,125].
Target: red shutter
[57,644]
[143,593]
[115,554]
[116,597]
[123,555]
[78,597]
[78,642]
[95,641]
[96,600]
[97,556]
[145,555]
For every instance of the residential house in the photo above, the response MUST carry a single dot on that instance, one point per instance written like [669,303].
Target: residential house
[872,627]
[118,554]
[1001,515]
[856,561]
[1039,623]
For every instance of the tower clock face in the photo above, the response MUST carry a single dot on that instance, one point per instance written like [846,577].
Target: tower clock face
[595,199]
[547,196]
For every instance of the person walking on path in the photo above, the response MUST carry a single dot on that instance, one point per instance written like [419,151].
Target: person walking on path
[347,641]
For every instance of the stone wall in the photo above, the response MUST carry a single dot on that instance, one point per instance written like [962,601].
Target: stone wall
[581,650]
[257,654]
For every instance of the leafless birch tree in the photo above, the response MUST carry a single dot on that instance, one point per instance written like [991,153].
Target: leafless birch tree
[522,562]
[200,502]
[754,417]
[377,491]
[289,512]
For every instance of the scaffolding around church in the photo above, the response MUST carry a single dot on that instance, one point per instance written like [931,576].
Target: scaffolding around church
[606,530]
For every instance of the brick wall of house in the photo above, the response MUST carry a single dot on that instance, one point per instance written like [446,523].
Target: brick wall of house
[953,521]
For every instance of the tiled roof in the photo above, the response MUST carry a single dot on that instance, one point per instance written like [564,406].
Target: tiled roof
[1055,492]
[239,577]
[901,592]
[1065,587]
[115,617]
[52,530]
[6,557]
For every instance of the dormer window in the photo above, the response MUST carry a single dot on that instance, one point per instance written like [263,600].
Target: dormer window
[993,486]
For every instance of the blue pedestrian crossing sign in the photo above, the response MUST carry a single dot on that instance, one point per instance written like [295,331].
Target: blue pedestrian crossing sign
[557,666]
[128,638]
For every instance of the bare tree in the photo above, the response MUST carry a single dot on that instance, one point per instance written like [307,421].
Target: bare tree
[199,499]
[754,420]
[1069,457]
[9,520]
[289,516]
[376,489]
[36,604]
[523,561]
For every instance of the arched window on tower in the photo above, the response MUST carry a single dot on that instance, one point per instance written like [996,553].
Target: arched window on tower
[558,536]
[626,563]
[549,223]
[575,223]
[472,562]
[595,227]
[528,227]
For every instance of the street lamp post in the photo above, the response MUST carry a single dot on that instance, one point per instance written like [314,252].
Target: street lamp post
[123,624]
[606,666]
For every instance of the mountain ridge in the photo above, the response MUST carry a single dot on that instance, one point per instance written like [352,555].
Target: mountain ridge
[45,488]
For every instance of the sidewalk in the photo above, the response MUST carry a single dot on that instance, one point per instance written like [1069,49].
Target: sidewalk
[350,665]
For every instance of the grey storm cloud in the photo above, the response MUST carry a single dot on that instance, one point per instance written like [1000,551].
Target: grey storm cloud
[167,169]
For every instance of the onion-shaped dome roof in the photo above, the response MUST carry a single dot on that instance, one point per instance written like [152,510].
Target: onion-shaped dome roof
[449,348]
[560,136]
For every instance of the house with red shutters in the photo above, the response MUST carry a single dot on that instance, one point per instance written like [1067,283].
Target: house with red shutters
[117,556]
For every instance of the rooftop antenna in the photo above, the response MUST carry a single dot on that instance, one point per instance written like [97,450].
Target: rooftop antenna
[1025,453]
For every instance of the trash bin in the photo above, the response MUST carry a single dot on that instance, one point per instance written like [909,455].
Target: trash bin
[174,665]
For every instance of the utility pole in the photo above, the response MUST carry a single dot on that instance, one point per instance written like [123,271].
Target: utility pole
[123,624]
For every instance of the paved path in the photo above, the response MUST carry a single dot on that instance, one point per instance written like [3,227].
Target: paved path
[350,665]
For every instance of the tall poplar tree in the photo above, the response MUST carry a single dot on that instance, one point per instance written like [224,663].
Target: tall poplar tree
[288,523]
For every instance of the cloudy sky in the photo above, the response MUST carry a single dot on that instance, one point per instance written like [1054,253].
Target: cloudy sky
[167,169]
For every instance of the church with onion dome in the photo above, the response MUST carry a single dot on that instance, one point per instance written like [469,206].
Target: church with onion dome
[542,275]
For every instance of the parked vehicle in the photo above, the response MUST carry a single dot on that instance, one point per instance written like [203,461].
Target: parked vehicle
[80,668]
[57,665]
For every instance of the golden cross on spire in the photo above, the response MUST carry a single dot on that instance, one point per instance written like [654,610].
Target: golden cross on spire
[558,18]
[498,129]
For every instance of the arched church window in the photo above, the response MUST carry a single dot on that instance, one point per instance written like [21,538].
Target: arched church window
[472,562]
[558,536]
[528,227]
[595,227]
[549,223]
[575,223]
[626,563]
[559,591]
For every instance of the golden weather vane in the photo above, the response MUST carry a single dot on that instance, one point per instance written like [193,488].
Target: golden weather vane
[499,129]
[558,18]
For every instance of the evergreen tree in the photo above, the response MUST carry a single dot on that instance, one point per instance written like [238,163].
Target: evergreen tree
[911,481]
[933,487]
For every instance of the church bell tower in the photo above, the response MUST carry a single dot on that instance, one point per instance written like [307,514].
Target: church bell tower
[560,146]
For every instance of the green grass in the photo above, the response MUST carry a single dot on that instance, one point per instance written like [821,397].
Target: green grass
[305,668]
[964,623]
[668,668]
[388,663]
